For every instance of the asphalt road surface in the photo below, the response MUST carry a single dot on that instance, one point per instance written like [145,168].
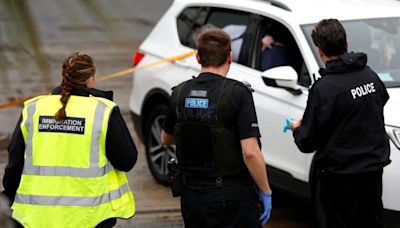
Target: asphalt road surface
[36,36]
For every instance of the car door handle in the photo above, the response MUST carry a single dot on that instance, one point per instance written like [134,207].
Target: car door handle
[247,84]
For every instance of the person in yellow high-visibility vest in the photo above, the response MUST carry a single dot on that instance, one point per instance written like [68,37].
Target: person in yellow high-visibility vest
[68,155]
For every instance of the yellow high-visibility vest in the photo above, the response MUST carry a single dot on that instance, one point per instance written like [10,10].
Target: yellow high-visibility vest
[67,180]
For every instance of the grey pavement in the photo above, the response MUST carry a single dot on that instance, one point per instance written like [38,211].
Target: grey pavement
[36,36]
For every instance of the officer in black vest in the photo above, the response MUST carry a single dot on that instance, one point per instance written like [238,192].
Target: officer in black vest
[213,121]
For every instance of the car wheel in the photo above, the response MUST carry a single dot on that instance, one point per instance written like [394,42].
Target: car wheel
[157,154]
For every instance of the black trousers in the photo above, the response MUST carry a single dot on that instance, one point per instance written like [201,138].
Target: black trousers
[220,207]
[350,201]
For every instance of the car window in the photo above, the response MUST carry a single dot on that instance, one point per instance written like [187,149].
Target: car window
[234,23]
[193,19]
[221,18]
[247,32]
[189,21]
[275,46]
[379,38]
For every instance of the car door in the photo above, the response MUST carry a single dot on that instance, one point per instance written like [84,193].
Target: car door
[274,105]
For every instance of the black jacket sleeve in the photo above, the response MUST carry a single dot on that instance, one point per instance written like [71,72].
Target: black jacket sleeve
[120,149]
[385,92]
[315,123]
[13,171]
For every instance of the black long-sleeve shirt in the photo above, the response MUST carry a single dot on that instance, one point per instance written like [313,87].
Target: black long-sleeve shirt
[120,148]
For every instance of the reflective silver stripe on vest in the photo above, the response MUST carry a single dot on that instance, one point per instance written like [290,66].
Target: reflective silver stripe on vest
[67,171]
[96,131]
[93,171]
[29,126]
[72,200]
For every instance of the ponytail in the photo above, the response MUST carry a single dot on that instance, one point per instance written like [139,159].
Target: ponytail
[65,94]
[77,69]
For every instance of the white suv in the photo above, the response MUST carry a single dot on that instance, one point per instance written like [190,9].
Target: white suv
[372,27]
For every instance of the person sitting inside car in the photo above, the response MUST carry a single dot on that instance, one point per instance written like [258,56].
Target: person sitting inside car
[274,53]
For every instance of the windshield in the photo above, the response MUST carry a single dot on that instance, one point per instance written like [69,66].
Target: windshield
[379,39]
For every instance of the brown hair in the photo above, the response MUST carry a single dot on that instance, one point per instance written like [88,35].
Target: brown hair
[214,47]
[76,70]
[330,36]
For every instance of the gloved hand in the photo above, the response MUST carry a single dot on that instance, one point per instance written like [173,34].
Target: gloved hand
[287,127]
[266,198]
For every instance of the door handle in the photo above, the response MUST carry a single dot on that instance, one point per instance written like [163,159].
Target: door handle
[248,85]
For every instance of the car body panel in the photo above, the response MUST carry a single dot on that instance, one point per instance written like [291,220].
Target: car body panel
[390,196]
[392,107]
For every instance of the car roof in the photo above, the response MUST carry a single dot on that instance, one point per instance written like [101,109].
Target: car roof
[312,11]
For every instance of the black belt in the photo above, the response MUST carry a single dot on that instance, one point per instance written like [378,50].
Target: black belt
[215,181]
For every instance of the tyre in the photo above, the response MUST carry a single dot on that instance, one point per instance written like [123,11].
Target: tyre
[157,154]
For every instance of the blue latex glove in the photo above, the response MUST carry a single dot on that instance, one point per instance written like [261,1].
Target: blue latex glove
[287,124]
[266,198]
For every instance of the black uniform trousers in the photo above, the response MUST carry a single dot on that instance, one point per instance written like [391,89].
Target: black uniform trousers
[220,207]
[350,200]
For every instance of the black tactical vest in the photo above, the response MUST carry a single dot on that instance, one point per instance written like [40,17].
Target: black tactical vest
[205,143]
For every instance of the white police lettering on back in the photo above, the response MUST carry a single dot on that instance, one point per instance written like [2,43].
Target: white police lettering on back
[363,90]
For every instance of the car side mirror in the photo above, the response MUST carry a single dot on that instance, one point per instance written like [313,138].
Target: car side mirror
[282,77]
